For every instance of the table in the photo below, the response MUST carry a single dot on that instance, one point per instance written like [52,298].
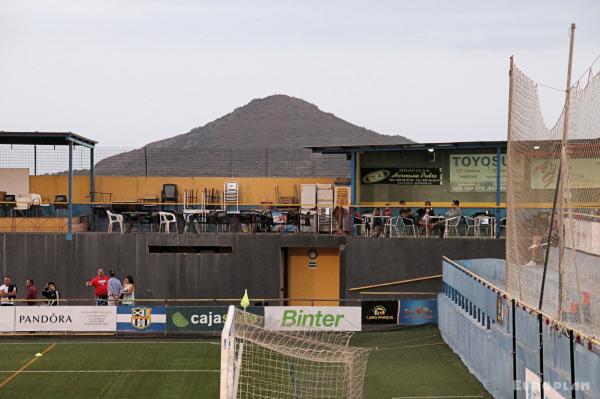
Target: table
[430,222]
[483,221]
[134,219]
[369,219]
[193,216]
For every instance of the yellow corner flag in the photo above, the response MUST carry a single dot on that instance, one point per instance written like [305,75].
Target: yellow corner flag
[245,301]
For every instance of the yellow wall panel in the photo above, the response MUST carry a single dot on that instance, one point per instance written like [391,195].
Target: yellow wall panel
[253,190]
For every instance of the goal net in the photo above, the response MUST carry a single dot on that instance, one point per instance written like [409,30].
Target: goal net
[258,363]
[553,203]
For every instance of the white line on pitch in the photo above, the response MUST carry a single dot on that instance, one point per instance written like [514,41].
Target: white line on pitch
[436,397]
[110,371]
[111,342]
[417,346]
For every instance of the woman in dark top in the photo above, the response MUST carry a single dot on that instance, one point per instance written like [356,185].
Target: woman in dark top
[423,214]
[427,210]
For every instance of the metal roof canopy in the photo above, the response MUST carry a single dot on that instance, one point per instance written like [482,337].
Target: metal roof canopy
[465,145]
[57,138]
[45,138]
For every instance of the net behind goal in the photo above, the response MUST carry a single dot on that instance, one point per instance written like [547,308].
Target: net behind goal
[553,204]
[258,363]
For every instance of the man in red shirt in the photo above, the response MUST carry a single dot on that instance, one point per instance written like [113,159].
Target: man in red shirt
[32,292]
[100,283]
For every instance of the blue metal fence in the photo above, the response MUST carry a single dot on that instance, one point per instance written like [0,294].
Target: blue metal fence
[476,320]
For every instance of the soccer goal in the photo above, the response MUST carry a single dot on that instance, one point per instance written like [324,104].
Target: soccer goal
[258,363]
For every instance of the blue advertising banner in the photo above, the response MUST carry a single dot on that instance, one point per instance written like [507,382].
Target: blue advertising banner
[141,318]
[417,311]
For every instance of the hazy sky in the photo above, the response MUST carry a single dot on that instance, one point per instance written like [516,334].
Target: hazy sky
[129,72]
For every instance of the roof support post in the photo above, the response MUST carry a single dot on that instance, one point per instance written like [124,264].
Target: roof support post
[70,195]
[92,182]
[498,165]
[352,189]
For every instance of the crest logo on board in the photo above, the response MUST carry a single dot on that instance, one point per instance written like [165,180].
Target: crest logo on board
[141,318]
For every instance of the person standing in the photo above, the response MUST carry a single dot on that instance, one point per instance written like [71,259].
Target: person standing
[100,284]
[51,294]
[128,292]
[114,289]
[8,292]
[32,292]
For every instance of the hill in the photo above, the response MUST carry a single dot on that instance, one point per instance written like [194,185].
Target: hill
[264,137]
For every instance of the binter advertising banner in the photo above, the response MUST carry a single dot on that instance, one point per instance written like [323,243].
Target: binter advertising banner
[313,318]
[66,318]
[190,319]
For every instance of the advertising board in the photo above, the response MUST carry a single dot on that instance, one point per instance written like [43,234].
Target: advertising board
[417,311]
[190,319]
[476,173]
[7,318]
[151,319]
[379,312]
[313,318]
[65,318]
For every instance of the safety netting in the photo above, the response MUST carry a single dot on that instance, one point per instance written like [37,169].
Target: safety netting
[553,202]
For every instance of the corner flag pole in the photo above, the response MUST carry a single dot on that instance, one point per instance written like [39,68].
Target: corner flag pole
[245,302]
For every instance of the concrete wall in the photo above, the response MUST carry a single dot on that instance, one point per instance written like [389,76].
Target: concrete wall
[419,193]
[255,262]
[373,261]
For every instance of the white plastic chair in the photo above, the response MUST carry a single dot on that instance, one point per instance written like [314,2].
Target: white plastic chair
[402,224]
[231,194]
[23,202]
[166,220]
[470,222]
[114,218]
[452,225]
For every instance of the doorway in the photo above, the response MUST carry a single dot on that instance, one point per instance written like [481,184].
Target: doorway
[313,273]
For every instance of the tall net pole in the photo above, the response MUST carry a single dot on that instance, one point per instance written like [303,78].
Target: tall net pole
[564,172]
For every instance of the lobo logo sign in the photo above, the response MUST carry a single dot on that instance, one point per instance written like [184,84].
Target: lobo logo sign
[141,318]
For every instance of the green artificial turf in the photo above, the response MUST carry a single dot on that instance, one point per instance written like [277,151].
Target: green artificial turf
[406,362]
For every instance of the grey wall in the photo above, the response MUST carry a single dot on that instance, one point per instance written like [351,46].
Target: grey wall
[254,263]
[373,261]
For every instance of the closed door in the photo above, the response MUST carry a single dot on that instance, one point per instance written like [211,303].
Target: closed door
[316,278]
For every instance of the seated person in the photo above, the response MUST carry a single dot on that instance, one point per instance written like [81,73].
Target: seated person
[426,211]
[387,211]
[453,212]
[406,212]
[377,223]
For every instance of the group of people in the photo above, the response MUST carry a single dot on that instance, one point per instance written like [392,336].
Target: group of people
[110,291]
[8,293]
[422,217]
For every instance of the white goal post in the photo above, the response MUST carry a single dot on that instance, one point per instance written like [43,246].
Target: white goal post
[260,363]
